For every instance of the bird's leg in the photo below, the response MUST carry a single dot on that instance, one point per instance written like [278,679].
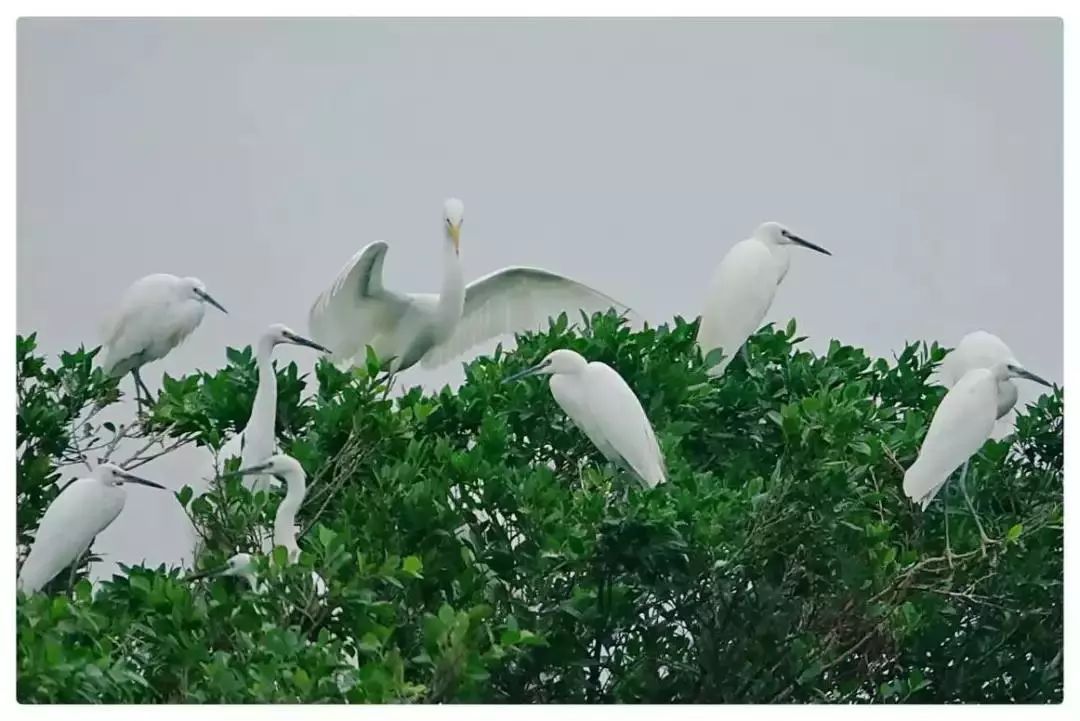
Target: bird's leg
[75,567]
[983,538]
[138,397]
[948,546]
[390,378]
[145,390]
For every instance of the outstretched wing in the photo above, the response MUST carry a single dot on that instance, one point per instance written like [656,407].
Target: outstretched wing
[512,300]
[356,308]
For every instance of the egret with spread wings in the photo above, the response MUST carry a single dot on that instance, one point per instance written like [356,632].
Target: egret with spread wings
[406,328]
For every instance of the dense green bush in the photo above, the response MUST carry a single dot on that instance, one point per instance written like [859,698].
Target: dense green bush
[477,548]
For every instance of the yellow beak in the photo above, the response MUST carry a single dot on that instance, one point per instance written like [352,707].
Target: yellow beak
[455,235]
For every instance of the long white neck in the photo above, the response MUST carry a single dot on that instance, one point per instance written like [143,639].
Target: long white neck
[285,519]
[781,258]
[264,409]
[452,296]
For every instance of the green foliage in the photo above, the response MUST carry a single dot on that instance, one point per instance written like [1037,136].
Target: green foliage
[477,548]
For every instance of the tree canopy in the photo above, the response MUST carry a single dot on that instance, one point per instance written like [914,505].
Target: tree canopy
[477,548]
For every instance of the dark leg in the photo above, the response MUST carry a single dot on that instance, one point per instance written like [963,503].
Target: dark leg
[983,538]
[138,380]
[138,397]
[948,547]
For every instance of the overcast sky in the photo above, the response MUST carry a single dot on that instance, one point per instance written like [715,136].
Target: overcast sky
[259,155]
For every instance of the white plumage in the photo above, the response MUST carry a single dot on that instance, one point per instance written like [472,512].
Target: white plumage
[288,470]
[742,290]
[156,314]
[960,426]
[602,405]
[259,435]
[406,328]
[981,349]
[71,522]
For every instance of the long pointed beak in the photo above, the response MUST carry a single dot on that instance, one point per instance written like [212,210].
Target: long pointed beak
[250,470]
[206,574]
[805,243]
[206,296]
[301,340]
[455,235]
[1023,373]
[522,374]
[128,478]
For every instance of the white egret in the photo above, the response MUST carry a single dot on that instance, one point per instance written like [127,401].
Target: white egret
[155,315]
[406,328]
[981,350]
[259,434]
[241,565]
[742,289]
[288,470]
[83,509]
[603,406]
[960,426]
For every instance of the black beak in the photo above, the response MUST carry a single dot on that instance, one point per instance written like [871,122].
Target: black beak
[250,470]
[206,296]
[804,243]
[523,374]
[1023,373]
[301,340]
[128,478]
[204,574]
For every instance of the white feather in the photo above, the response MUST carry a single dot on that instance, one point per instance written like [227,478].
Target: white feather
[961,425]
[513,300]
[604,407]
[739,296]
[71,522]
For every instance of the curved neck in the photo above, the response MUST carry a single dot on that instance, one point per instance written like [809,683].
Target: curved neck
[781,256]
[264,409]
[452,296]
[285,518]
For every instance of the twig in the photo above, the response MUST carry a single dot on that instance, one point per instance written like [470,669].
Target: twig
[892,458]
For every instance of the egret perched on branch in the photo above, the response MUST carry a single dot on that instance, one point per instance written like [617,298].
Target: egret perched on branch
[259,434]
[242,566]
[405,328]
[961,425]
[288,470]
[601,404]
[83,509]
[155,315]
[981,350]
[742,289]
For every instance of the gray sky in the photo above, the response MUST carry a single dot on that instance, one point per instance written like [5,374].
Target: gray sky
[259,155]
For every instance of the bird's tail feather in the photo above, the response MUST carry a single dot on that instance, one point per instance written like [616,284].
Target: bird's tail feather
[920,486]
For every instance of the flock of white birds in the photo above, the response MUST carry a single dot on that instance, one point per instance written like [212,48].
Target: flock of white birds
[357,311]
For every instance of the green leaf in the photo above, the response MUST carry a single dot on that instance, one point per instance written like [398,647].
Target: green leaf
[1014,532]
[280,557]
[412,565]
[302,680]
[184,495]
[326,536]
